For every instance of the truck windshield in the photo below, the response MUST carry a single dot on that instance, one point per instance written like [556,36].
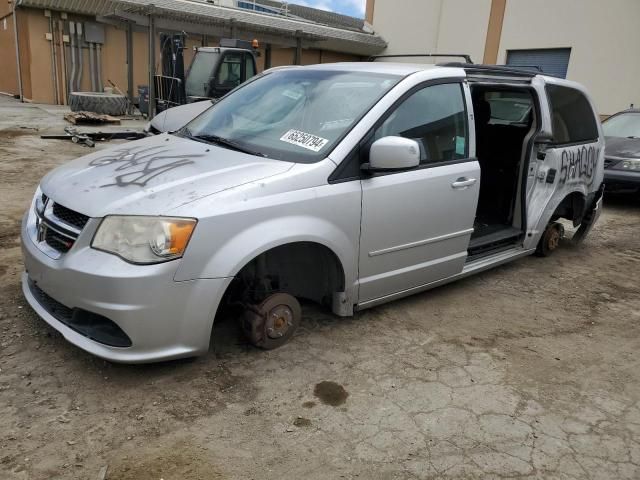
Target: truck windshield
[295,115]
[200,72]
[623,125]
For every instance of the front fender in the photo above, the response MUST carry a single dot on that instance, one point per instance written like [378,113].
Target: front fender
[239,250]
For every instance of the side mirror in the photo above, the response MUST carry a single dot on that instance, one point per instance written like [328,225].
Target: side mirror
[394,153]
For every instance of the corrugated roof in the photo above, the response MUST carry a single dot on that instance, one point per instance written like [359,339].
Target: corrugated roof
[89,7]
[202,12]
[324,17]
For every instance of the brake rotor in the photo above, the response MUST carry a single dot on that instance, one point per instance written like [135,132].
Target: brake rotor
[553,239]
[550,240]
[273,322]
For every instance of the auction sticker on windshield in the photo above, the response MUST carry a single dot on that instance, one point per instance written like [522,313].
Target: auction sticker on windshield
[304,140]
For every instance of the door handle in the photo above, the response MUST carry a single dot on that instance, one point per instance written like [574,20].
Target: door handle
[463,182]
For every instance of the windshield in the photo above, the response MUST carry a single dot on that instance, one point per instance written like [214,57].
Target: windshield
[623,125]
[296,115]
[200,72]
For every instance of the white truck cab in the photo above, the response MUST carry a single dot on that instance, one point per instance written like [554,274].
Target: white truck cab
[347,184]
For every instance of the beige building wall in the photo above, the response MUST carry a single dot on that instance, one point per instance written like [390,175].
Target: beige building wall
[463,27]
[432,26]
[8,78]
[410,26]
[337,57]
[39,57]
[604,37]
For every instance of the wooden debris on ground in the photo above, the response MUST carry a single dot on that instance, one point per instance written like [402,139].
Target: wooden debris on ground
[90,118]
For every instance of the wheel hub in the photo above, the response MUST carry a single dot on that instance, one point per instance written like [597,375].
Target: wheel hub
[279,320]
[273,322]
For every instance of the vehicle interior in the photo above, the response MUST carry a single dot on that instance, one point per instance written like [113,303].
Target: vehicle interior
[505,121]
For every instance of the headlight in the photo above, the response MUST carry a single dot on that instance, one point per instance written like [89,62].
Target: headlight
[144,239]
[630,165]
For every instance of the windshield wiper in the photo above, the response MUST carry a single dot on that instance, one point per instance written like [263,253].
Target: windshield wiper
[225,142]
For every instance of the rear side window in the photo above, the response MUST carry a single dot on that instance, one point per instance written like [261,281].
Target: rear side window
[572,117]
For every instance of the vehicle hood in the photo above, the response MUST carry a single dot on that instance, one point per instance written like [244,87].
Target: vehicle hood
[153,176]
[622,147]
[177,117]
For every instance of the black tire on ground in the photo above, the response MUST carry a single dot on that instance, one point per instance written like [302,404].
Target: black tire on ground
[107,103]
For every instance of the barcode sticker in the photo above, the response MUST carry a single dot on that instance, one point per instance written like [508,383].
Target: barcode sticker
[304,140]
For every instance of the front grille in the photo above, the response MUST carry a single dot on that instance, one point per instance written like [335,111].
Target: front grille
[89,324]
[609,162]
[69,216]
[58,242]
[58,226]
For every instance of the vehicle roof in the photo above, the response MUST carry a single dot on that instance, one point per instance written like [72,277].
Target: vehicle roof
[391,68]
[443,70]
[628,110]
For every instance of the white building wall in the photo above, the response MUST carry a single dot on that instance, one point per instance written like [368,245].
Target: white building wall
[604,36]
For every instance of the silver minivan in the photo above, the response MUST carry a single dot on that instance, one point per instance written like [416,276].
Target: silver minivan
[349,185]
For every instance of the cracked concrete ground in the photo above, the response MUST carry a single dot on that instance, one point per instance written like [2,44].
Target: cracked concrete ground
[526,371]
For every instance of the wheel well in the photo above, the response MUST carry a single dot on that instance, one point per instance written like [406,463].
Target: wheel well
[303,269]
[572,208]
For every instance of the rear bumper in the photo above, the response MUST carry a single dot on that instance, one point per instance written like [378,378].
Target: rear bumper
[164,319]
[591,215]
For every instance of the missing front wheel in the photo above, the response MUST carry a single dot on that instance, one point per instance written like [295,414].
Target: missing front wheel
[273,322]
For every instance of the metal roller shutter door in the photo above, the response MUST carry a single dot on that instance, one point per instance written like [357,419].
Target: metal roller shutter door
[552,61]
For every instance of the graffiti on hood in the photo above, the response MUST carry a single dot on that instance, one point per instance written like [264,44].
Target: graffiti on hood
[139,165]
[579,163]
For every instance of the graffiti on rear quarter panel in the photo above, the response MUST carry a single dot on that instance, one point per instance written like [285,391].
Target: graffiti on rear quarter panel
[579,164]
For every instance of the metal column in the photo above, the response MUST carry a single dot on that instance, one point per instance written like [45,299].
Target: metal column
[78,87]
[92,68]
[18,63]
[130,66]
[54,62]
[267,56]
[232,24]
[297,59]
[152,65]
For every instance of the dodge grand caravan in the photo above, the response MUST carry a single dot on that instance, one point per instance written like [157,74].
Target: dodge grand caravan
[349,185]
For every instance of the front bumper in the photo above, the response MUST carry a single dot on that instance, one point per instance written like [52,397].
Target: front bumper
[164,319]
[621,179]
